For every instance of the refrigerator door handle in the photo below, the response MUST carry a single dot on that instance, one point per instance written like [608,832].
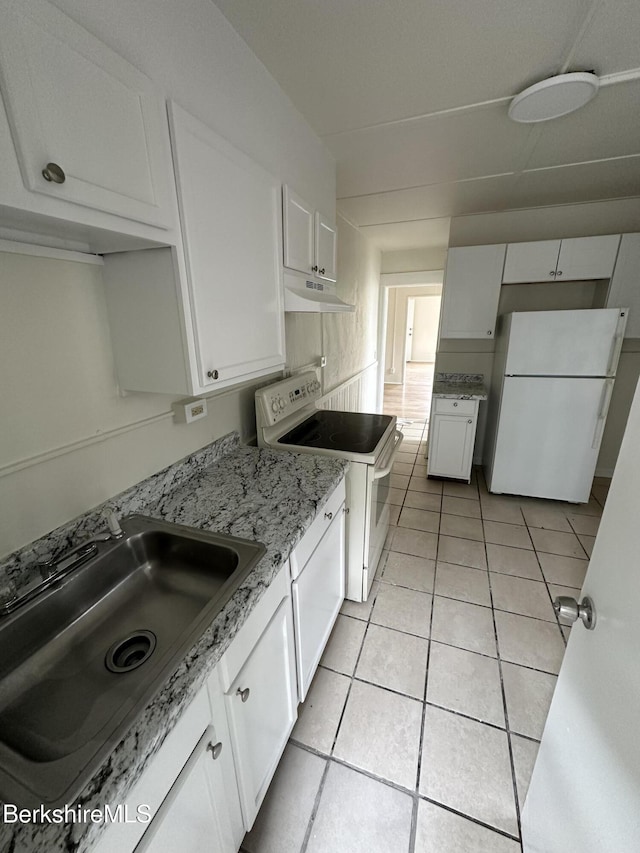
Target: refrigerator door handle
[616,347]
[607,391]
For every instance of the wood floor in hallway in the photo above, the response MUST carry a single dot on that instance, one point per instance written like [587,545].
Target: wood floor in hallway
[413,398]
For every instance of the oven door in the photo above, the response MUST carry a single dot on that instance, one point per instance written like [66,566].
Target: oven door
[378,509]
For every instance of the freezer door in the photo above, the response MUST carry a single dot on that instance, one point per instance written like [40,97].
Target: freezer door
[548,437]
[565,343]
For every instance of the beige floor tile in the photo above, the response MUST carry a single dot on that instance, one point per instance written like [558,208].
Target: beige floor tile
[506,510]
[466,626]
[466,765]
[417,542]
[402,468]
[592,508]
[396,496]
[420,469]
[513,561]
[518,595]
[587,543]
[345,642]
[554,542]
[462,527]
[283,818]
[524,758]
[423,500]
[462,552]
[441,831]
[394,514]
[460,489]
[394,660]
[403,609]
[380,732]
[419,519]
[319,715]
[408,458]
[359,815]
[407,570]
[399,481]
[587,525]
[567,571]
[463,583]
[600,492]
[423,484]
[529,695]
[361,610]
[461,506]
[529,642]
[514,535]
[545,516]
[465,682]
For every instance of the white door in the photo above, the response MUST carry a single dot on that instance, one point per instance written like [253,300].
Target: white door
[326,248]
[549,434]
[408,343]
[587,257]
[535,261]
[585,790]
[73,102]
[451,443]
[565,343]
[298,232]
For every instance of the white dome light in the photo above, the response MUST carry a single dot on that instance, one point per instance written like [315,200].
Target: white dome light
[554,97]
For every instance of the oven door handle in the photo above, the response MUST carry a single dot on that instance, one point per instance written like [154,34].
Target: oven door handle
[382,472]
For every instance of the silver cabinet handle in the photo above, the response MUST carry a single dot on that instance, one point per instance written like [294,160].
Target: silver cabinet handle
[212,374]
[559,272]
[568,608]
[552,273]
[243,694]
[455,404]
[328,516]
[54,173]
[470,421]
[215,749]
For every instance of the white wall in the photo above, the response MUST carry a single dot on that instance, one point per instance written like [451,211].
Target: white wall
[397,325]
[414,260]
[426,318]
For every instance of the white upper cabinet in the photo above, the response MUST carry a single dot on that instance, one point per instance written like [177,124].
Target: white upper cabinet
[471,291]
[573,259]
[326,248]
[309,239]
[531,261]
[624,290]
[87,127]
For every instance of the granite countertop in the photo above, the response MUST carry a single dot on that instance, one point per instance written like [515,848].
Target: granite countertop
[460,386]
[271,496]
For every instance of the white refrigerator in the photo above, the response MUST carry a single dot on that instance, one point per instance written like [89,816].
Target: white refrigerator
[552,383]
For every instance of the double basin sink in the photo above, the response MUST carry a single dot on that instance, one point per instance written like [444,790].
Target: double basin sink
[80,660]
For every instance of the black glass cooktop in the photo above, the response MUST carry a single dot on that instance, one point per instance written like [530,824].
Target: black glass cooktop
[354,432]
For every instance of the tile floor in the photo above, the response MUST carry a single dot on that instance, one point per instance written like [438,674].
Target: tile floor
[422,725]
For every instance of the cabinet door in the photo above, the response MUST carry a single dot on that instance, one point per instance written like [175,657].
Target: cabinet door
[261,709]
[624,290]
[229,210]
[73,102]
[527,262]
[471,291]
[587,257]
[451,440]
[317,597]
[326,248]
[193,817]
[298,232]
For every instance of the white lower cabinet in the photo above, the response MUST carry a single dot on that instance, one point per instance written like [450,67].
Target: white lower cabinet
[452,433]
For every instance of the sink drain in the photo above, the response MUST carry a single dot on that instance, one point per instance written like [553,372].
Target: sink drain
[131,652]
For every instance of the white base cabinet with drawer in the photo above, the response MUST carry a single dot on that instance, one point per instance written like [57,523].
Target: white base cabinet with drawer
[452,433]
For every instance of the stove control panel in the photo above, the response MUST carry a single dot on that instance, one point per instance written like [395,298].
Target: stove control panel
[277,402]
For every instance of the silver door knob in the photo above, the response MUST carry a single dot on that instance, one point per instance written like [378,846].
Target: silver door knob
[215,749]
[243,694]
[568,609]
[53,172]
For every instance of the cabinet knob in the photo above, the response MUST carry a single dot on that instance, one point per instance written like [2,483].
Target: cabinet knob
[489,332]
[215,749]
[328,516]
[455,404]
[243,694]
[314,269]
[53,172]
[552,273]
[321,271]
[212,374]
[470,421]
[559,272]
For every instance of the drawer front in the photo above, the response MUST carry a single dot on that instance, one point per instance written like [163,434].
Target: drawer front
[444,406]
[307,545]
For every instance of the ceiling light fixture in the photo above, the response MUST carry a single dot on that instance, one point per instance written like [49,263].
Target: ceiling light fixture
[554,97]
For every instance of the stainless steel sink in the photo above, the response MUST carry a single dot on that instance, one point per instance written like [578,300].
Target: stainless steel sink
[78,662]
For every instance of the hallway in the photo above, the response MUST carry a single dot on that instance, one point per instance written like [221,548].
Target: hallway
[413,399]
[421,728]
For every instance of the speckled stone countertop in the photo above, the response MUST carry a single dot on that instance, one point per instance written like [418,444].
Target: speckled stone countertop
[460,386]
[271,496]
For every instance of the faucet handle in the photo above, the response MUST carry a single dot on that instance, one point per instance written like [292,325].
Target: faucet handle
[114,525]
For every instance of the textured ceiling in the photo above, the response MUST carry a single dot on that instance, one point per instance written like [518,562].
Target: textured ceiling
[411,97]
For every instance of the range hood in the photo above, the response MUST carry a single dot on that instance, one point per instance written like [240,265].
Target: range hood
[308,295]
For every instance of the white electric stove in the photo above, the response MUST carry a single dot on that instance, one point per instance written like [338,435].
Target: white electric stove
[288,418]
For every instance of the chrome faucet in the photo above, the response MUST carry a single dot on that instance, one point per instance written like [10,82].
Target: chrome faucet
[115,531]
